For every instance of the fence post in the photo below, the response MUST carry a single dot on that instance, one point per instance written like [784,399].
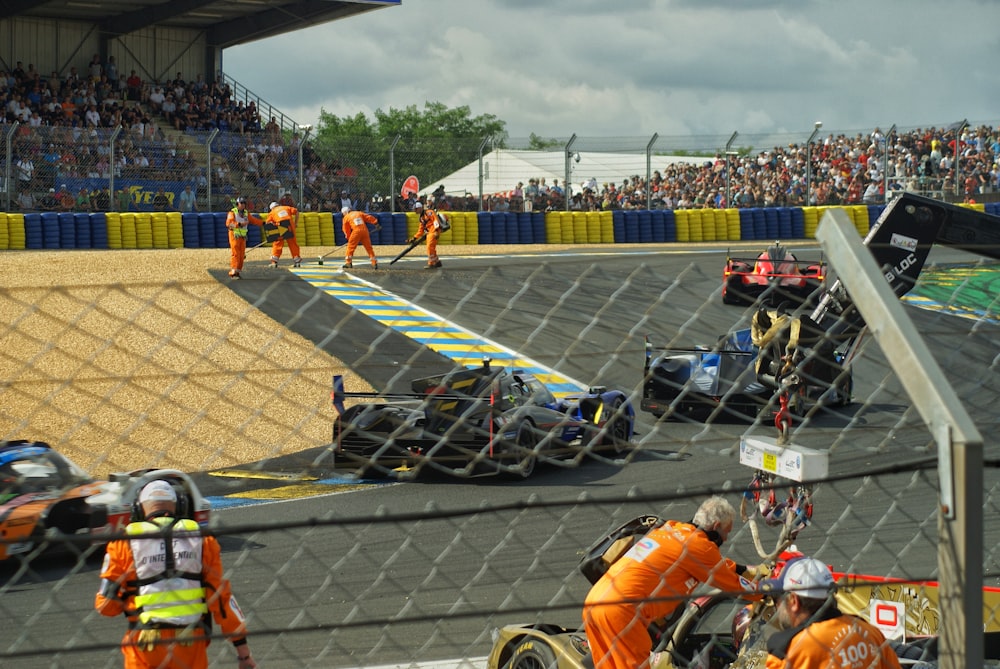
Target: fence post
[960,446]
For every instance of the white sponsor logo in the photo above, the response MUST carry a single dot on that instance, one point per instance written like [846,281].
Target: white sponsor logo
[642,549]
[903,242]
[898,270]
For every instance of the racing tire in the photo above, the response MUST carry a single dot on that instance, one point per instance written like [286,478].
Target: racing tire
[522,464]
[532,653]
[619,428]
[730,296]
[844,391]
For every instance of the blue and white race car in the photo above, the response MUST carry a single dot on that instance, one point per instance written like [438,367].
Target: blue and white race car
[475,421]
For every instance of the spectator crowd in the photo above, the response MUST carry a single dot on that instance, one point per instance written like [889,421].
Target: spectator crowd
[844,170]
[66,121]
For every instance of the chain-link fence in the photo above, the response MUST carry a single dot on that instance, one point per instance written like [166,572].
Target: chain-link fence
[498,501]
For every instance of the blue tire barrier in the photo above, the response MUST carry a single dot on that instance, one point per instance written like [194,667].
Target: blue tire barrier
[746,224]
[206,231]
[33,236]
[784,223]
[50,230]
[220,231]
[84,239]
[510,224]
[771,227]
[499,226]
[618,227]
[538,227]
[400,234]
[658,224]
[759,224]
[798,223]
[645,226]
[190,230]
[484,219]
[669,226]
[67,230]
[524,232]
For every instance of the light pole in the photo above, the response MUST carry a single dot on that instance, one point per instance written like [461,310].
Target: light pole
[816,126]
[729,154]
[306,129]
[885,165]
[958,155]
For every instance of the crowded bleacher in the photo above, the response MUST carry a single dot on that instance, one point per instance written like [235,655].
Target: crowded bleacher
[67,122]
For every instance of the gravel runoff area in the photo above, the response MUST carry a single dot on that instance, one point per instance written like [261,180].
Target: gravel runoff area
[141,358]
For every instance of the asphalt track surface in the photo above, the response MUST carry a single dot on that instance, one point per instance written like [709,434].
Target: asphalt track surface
[585,315]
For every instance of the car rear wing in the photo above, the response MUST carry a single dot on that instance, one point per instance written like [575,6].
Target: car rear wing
[796,262]
[432,392]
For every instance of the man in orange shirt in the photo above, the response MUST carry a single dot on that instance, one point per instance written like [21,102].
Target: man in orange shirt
[167,579]
[652,580]
[430,228]
[284,220]
[237,221]
[355,226]
[814,633]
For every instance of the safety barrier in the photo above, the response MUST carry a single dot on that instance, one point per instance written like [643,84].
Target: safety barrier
[158,230]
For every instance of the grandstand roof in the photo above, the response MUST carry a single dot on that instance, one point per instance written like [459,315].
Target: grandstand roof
[226,22]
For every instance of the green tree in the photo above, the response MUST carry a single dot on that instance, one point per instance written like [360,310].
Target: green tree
[537,143]
[430,143]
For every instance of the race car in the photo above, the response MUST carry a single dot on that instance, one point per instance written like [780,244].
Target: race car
[802,358]
[716,630]
[775,276]
[740,375]
[45,499]
[476,421]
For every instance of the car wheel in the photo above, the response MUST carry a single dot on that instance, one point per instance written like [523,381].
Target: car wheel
[844,389]
[532,654]
[524,455]
[618,429]
[730,296]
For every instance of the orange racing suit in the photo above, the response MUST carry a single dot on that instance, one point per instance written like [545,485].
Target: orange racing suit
[162,607]
[355,228]
[431,228]
[236,222]
[286,217]
[646,585]
[835,641]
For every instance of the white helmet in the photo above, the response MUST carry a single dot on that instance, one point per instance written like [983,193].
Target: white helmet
[272,206]
[345,210]
[418,205]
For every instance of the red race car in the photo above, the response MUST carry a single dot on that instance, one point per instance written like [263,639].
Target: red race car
[774,276]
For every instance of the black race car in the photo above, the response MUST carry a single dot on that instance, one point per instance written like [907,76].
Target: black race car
[476,421]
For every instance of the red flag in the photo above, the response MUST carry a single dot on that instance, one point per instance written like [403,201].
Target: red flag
[410,186]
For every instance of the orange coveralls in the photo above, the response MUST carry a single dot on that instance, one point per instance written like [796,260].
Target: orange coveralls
[119,568]
[652,578]
[287,217]
[429,225]
[355,228]
[236,222]
[838,642]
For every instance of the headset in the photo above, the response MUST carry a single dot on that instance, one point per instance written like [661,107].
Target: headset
[182,509]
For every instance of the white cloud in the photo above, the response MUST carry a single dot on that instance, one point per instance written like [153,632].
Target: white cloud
[634,68]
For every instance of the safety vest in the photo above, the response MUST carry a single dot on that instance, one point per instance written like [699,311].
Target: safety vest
[242,220]
[168,567]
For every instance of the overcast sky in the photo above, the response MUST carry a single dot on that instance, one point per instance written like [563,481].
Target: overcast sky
[631,68]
